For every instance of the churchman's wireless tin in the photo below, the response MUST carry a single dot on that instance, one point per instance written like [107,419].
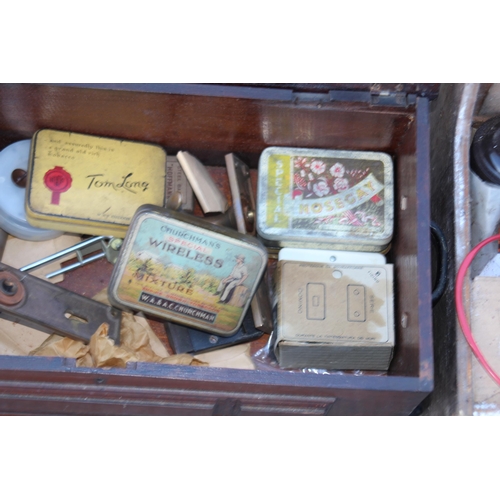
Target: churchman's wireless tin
[315,198]
[92,185]
[181,268]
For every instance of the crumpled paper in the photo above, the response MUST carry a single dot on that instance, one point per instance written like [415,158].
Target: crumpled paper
[237,356]
[138,343]
[101,351]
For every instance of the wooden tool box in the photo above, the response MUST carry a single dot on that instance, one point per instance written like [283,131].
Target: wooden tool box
[210,121]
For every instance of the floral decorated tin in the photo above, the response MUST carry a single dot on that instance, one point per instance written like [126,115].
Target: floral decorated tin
[181,268]
[87,184]
[316,198]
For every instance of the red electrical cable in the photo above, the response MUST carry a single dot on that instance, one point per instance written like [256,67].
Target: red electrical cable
[462,318]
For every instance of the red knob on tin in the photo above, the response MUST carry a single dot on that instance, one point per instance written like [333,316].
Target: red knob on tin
[58,181]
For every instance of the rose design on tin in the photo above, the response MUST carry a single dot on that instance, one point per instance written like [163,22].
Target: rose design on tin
[299,181]
[300,163]
[340,184]
[317,167]
[337,170]
[333,189]
[321,188]
[320,177]
[58,181]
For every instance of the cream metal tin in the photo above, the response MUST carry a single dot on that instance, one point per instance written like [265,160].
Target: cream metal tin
[92,185]
[318,198]
[335,316]
[183,269]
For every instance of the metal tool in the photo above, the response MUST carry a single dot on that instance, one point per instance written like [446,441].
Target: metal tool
[108,246]
[39,304]
[241,194]
[244,212]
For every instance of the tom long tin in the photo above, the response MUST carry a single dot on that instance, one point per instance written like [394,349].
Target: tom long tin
[92,185]
[317,198]
[181,268]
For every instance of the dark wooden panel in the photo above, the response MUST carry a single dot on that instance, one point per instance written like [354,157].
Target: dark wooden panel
[207,126]
[411,254]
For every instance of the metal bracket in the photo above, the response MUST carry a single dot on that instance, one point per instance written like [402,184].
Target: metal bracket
[47,307]
[108,245]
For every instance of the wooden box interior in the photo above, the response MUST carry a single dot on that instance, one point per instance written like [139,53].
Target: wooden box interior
[210,126]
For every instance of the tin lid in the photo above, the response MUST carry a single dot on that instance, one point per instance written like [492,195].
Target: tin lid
[325,198]
[89,184]
[178,267]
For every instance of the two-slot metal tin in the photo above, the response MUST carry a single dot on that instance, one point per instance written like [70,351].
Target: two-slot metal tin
[335,316]
[92,185]
[181,268]
[325,199]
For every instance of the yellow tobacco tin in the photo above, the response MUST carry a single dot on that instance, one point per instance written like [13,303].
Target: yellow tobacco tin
[92,185]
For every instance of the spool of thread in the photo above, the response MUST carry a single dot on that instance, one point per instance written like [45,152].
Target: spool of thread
[13,167]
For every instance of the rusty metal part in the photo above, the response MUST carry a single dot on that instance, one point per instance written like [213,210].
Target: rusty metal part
[47,307]
[11,289]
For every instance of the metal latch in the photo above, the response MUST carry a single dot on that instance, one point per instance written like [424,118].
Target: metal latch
[376,96]
[39,304]
[387,98]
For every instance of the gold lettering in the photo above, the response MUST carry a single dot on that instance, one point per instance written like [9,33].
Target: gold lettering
[339,203]
[350,198]
[316,208]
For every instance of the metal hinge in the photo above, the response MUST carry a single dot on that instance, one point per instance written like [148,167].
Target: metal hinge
[387,98]
[376,97]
